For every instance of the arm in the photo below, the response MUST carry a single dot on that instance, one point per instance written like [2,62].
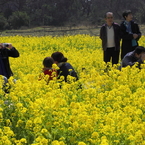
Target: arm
[12,51]
[119,32]
[101,33]
[128,61]
[138,32]
[124,34]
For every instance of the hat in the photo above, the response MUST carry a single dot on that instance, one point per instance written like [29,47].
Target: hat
[59,57]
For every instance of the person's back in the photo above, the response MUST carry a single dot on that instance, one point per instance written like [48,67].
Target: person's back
[65,70]
[136,56]
[128,58]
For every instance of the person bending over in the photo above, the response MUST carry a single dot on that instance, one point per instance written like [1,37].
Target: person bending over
[138,55]
[65,68]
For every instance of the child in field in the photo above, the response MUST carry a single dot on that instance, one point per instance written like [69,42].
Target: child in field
[48,70]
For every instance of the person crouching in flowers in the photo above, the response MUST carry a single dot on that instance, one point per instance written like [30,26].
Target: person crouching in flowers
[65,68]
[48,70]
[133,57]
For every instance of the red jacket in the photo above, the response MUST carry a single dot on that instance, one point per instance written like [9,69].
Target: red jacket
[51,72]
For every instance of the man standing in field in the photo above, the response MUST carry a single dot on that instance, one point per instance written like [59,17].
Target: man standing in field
[110,36]
[130,33]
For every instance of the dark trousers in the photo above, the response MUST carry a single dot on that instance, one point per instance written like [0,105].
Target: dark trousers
[111,53]
[124,51]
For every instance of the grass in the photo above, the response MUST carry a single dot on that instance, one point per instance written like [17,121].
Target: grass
[57,31]
[54,31]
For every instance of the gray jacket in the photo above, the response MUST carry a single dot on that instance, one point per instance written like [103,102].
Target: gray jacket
[130,59]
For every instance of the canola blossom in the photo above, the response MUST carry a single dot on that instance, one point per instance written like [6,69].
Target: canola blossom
[104,107]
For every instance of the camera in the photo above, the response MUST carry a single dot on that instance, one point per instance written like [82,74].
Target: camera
[5,44]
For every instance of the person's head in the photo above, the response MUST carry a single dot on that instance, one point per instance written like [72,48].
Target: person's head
[139,51]
[5,45]
[48,62]
[109,18]
[127,15]
[58,57]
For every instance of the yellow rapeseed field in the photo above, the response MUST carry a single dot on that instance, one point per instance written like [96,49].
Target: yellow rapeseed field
[101,108]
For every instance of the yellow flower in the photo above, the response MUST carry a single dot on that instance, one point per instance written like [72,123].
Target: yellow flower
[5,140]
[19,123]
[29,124]
[95,135]
[81,143]
[102,102]
[75,125]
[131,137]
[23,140]
[37,120]
[61,143]
[1,132]
[55,142]
[8,131]
[8,122]
[44,130]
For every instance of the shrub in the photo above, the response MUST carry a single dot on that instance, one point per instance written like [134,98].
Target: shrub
[3,22]
[18,19]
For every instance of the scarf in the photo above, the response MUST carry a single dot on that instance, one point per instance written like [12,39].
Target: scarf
[129,30]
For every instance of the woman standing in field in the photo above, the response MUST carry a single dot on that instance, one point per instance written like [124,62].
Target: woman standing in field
[130,33]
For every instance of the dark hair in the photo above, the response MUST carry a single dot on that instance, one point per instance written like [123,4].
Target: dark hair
[139,49]
[48,62]
[126,13]
[59,57]
[105,16]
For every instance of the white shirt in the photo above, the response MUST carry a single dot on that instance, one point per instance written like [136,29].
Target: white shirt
[110,37]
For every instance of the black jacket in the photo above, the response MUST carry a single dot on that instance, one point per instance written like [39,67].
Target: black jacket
[117,36]
[65,70]
[5,54]
[127,37]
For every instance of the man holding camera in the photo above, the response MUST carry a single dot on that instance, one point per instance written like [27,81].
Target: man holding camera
[6,51]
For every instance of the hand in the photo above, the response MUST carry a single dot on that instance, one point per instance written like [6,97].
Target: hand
[1,45]
[143,57]
[10,46]
[135,36]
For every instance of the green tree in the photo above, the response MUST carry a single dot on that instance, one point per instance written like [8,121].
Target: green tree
[3,22]
[18,19]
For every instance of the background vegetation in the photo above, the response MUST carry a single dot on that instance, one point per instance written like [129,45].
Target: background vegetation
[17,14]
